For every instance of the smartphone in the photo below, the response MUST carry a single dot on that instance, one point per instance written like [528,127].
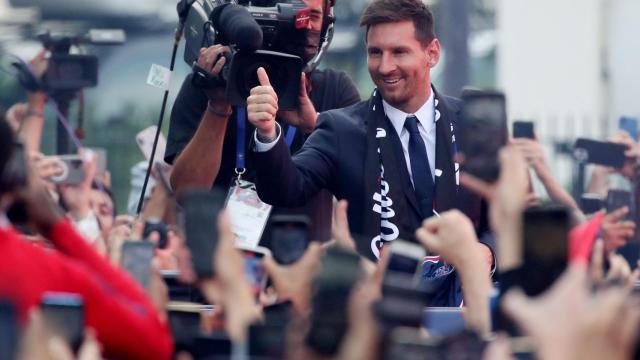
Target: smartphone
[600,153]
[136,260]
[254,269]
[484,132]
[545,247]
[630,125]
[523,129]
[617,199]
[63,314]
[71,72]
[289,237]
[9,331]
[156,225]
[403,301]
[406,258]
[199,218]
[591,203]
[184,321]
[331,291]
[72,170]
[145,139]
[267,341]
[215,346]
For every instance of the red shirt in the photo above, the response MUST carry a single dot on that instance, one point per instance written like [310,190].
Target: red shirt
[124,318]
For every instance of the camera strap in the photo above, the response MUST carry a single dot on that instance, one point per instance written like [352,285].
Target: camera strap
[241,119]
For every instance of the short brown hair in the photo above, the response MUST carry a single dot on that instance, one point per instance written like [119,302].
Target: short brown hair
[387,11]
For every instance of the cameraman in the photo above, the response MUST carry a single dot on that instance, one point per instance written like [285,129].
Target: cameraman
[202,144]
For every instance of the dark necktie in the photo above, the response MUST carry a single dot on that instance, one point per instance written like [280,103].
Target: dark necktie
[420,169]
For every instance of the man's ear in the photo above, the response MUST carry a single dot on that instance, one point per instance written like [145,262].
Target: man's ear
[433,53]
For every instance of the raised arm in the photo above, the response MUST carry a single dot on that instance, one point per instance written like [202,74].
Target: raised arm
[199,163]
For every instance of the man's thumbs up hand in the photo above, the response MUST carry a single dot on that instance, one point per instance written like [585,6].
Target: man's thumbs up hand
[262,106]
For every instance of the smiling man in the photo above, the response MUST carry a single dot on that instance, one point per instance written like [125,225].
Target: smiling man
[392,156]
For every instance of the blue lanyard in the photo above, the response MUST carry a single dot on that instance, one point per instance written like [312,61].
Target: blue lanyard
[241,118]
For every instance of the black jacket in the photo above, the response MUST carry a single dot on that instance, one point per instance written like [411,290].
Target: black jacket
[333,158]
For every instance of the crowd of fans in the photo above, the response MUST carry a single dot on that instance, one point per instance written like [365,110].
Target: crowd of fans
[69,239]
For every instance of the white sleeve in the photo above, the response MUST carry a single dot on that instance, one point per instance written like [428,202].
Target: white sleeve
[264,147]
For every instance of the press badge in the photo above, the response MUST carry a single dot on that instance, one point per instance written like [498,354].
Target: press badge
[247,213]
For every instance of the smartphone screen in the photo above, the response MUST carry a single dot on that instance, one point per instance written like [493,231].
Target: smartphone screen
[136,260]
[289,237]
[545,247]
[591,203]
[484,132]
[145,140]
[630,125]
[254,269]
[199,216]
[523,129]
[617,199]
[405,257]
[601,153]
[63,314]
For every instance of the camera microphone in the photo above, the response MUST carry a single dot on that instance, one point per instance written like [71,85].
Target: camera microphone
[237,25]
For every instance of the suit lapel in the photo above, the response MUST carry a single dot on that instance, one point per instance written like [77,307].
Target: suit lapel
[446,188]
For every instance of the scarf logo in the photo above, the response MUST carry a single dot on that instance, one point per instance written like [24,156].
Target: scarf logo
[382,205]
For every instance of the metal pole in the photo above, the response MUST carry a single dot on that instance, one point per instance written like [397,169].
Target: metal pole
[453,20]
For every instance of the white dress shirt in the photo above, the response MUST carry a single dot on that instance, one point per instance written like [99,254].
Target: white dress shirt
[426,126]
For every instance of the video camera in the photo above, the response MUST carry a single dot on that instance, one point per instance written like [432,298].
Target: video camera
[65,71]
[260,33]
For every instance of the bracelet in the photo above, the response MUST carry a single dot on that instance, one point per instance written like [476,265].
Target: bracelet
[218,113]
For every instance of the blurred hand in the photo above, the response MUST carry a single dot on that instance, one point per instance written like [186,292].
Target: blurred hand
[38,342]
[584,327]
[213,60]
[451,236]
[360,341]
[39,66]
[43,212]
[293,282]
[262,107]
[616,233]
[158,291]
[533,153]
[340,233]
[230,288]
[117,237]
[507,198]
[48,167]
[78,197]
[305,116]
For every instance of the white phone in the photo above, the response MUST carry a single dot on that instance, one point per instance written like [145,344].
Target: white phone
[145,143]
